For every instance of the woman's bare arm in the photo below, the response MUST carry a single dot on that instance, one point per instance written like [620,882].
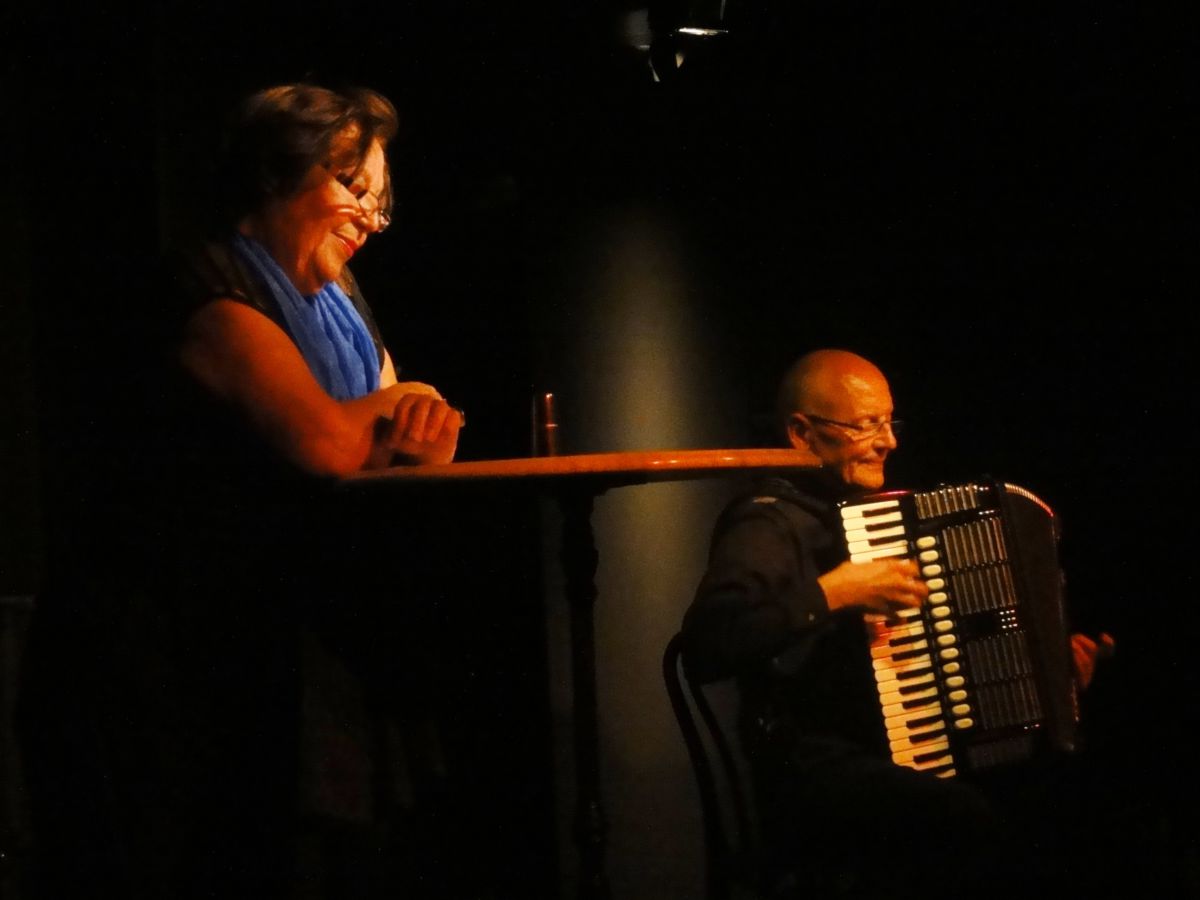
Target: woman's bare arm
[245,358]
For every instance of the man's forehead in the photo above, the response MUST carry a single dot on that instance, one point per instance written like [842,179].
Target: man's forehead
[855,395]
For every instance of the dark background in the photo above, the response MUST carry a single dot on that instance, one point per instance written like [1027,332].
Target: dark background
[990,203]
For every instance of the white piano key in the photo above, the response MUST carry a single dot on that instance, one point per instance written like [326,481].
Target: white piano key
[903,649]
[896,710]
[903,672]
[882,623]
[887,554]
[915,718]
[891,632]
[873,534]
[902,617]
[897,728]
[899,670]
[889,698]
[911,731]
[904,656]
[879,518]
[865,551]
[907,756]
[929,764]
[900,686]
[930,745]
[886,651]
[859,510]
[901,639]
[903,668]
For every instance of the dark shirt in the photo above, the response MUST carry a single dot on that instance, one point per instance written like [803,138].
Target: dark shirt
[166,689]
[760,615]
[837,815]
[230,502]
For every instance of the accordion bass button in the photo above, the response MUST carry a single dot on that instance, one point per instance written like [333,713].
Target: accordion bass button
[930,571]
[957,696]
[962,724]
[955,681]
[949,653]
[943,626]
[951,668]
[924,543]
[961,709]
[928,556]
[946,640]
[935,584]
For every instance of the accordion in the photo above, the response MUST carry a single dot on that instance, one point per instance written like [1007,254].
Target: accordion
[980,675]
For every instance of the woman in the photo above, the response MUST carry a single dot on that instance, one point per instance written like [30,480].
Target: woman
[166,747]
[295,349]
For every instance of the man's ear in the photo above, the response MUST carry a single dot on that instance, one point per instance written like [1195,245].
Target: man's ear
[799,429]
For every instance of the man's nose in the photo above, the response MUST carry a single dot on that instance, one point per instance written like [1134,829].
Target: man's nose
[886,437]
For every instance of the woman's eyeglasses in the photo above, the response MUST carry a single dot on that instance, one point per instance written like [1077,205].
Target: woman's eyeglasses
[375,213]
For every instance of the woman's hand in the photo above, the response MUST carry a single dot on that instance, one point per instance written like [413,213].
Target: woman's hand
[424,428]
[243,357]
[413,387]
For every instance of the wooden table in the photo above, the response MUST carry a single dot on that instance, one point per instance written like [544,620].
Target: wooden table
[575,482]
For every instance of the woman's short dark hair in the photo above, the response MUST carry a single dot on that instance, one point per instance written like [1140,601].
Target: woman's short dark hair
[277,135]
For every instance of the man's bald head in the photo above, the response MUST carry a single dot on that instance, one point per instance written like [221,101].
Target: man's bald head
[826,400]
[822,381]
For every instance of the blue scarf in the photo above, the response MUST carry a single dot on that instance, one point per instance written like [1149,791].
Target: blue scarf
[329,332]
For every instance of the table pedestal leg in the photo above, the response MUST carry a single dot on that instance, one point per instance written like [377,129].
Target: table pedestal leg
[579,560]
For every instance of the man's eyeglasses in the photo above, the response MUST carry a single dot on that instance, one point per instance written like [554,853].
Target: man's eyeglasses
[863,432]
[375,213]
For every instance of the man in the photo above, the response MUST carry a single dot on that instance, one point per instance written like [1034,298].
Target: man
[782,608]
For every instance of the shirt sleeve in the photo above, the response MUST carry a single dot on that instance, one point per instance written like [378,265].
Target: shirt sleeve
[759,595]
